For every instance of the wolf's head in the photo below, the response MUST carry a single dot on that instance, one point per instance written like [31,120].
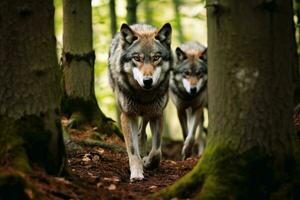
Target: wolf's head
[146,56]
[191,68]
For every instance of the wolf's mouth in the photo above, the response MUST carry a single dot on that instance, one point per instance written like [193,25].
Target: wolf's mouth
[147,87]
[193,91]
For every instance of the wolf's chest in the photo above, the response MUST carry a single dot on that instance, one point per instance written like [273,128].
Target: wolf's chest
[151,108]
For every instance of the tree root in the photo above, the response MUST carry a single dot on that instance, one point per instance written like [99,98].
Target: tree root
[223,173]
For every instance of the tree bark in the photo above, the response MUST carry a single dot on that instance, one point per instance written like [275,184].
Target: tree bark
[180,36]
[250,152]
[30,133]
[78,58]
[131,8]
[113,17]
[297,46]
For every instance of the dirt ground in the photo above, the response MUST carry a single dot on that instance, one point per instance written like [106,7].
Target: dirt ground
[101,171]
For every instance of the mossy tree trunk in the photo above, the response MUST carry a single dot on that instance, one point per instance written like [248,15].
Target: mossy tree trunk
[30,128]
[250,152]
[113,17]
[180,36]
[131,16]
[79,102]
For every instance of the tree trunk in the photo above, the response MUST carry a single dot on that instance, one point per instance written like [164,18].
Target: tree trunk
[297,11]
[250,152]
[148,12]
[131,7]
[180,36]
[297,46]
[113,17]
[30,132]
[78,57]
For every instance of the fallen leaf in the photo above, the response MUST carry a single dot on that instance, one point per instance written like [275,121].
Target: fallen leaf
[99,184]
[29,193]
[153,187]
[86,158]
[62,180]
[96,158]
[100,150]
[172,162]
[113,179]
[112,187]
[116,179]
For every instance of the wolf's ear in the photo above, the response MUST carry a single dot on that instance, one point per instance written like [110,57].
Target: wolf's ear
[127,34]
[180,54]
[203,54]
[164,34]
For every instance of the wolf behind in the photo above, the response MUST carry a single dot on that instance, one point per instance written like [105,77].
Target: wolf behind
[140,60]
[189,92]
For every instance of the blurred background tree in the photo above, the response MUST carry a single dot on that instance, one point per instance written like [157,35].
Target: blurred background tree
[131,7]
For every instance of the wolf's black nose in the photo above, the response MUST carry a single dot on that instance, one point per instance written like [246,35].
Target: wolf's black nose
[147,83]
[193,90]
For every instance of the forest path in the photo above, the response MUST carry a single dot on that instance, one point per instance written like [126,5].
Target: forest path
[103,173]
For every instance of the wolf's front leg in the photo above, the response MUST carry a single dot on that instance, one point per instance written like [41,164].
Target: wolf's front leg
[153,159]
[130,130]
[193,122]
[201,137]
[181,113]
[143,136]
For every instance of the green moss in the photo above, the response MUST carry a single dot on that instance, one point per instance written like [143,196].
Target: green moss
[80,112]
[12,152]
[36,138]
[13,186]
[26,141]
[224,173]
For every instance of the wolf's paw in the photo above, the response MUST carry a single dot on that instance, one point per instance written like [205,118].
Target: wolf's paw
[136,169]
[187,149]
[152,160]
[136,176]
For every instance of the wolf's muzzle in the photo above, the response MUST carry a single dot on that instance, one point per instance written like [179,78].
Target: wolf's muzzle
[193,91]
[147,82]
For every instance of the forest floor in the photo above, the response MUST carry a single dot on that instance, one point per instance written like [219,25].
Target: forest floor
[100,170]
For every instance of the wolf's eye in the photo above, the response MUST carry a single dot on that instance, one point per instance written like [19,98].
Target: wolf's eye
[137,58]
[200,73]
[186,73]
[156,57]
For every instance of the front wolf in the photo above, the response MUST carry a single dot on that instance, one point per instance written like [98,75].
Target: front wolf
[139,64]
[188,92]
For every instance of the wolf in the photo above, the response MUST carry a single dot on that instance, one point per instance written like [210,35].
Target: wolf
[140,60]
[188,92]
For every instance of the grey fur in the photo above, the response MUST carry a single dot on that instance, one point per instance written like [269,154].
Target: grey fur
[137,101]
[189,107]
[131,97]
